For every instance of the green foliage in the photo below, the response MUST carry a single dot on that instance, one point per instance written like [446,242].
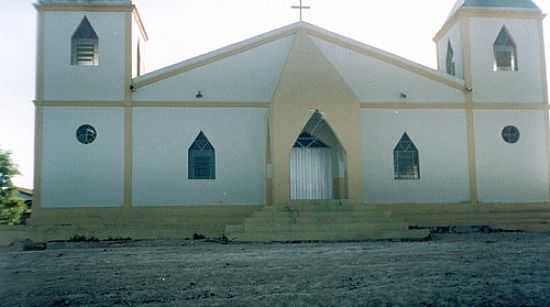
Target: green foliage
[12,208]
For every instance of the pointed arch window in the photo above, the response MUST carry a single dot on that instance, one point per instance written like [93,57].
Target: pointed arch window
[85,45]
[202,159]
[306,140]
[405,160]
[505,52]
[451,66]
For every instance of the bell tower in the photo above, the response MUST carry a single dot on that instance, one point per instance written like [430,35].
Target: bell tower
[498,50]
[497,47]
[84,50]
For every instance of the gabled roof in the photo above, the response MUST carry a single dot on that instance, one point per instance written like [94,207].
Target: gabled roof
[286,31]
[24,191]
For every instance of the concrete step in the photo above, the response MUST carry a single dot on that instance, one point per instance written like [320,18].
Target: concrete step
[331,202]
[324,227]
[338,219]
[421,234]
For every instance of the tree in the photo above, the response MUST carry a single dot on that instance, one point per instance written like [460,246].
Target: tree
[12,207]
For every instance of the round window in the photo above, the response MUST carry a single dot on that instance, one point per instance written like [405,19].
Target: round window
[510,134]
[86,134]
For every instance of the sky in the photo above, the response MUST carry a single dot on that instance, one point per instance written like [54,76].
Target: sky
[181,29]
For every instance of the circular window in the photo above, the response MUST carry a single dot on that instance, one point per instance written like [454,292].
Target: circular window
[510,134]
[86,134]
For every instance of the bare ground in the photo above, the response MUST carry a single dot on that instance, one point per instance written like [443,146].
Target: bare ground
[504,269]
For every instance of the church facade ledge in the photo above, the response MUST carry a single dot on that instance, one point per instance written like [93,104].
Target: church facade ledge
[267,104]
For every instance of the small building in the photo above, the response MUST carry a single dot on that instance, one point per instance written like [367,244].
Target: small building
[25,195]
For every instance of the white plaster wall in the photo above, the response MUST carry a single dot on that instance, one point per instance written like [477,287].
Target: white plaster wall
[522,86]
[440,137]
[375,81]
[162,137]
[511,172]
[251,76]
[76,175]
[454,36]
[62,81]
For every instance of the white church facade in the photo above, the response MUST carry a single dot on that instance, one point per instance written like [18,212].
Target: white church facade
[296,114]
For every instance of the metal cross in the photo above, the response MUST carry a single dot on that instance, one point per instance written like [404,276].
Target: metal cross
[301,8]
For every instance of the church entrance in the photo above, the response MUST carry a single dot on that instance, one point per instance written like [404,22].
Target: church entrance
[317,163]
[310,169]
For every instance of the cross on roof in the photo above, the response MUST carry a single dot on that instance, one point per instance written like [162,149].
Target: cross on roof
[301,8]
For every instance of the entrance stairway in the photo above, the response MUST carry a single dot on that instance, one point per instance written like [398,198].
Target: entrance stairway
[335,220]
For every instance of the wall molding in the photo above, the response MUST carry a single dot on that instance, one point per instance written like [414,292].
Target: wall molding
[456,106]
[158,104]
[84,7]
[390,105]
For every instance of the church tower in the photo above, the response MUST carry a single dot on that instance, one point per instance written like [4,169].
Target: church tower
[87,54]
[84,50]
[497,47]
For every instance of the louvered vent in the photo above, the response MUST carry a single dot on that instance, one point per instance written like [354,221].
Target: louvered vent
[85,45]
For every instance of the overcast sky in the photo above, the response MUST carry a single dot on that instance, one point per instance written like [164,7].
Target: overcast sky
[180,29]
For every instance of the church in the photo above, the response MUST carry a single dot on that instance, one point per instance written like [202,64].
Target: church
[295,134]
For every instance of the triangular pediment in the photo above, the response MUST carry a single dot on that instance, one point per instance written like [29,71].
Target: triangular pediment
[224,61]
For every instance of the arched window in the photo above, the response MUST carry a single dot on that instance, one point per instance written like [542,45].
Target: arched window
[201,159]
[451,66]
[505,52]
[84,45]
[405,160]
[306,140]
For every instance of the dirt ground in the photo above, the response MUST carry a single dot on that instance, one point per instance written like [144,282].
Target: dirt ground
[503,269]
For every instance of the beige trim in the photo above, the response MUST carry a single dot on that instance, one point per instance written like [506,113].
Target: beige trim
[128,54]
[38,116]
[213,56]
[236,104]
[543,60]
[490,13]
[310,82]
[39,58]
[128,156]
[502,13]
[437,58]
[91,104]
[510,106]
[268,163]
[202,104]
[128,118]
[38,144]
[140,24]
[544,79]
[470,119]
[168,104]
[445,28]
[455,106]
[83,7]
[412,105]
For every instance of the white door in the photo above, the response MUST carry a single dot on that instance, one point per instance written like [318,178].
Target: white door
[311,174]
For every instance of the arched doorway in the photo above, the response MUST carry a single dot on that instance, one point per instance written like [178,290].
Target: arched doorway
[317,163]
